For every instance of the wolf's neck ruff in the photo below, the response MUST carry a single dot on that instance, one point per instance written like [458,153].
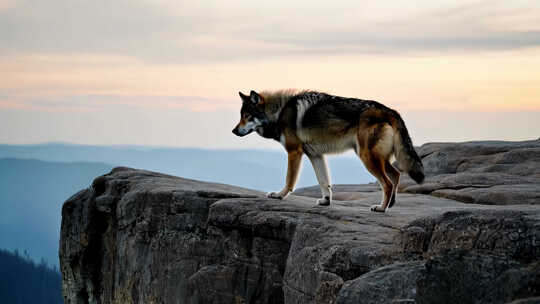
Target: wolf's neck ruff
[275,101]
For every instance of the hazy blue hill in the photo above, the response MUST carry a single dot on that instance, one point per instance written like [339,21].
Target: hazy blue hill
[256,169]
[31,197]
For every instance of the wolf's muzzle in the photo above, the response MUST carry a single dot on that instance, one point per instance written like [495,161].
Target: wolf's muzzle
[237,133]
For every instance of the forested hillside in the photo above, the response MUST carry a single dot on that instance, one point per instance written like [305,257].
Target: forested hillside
[24,281]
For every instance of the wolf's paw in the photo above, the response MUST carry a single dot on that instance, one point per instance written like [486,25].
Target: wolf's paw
[325,201]
[377,208]
[276,195]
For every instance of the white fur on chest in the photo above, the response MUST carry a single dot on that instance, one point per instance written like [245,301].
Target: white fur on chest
[301,108]
[282,140]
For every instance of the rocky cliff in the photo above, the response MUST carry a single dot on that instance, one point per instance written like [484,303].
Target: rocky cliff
[470,234]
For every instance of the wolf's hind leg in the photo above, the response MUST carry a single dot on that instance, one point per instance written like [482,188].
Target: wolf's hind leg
[293,169]
[393,174]
[321,171]
[375,165]
[374,147]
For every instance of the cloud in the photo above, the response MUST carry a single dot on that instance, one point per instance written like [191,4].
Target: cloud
[211,31]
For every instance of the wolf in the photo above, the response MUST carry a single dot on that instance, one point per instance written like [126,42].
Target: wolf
[315,124]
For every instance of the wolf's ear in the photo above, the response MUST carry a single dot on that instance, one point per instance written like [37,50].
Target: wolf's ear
[255,97]
[244,97]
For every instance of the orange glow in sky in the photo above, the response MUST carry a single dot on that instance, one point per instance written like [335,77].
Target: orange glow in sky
[166,57]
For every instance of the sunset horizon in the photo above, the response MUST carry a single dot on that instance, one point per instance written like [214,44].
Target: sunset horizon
[168,73]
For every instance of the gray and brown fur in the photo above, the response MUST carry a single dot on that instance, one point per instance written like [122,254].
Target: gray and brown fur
[315,124]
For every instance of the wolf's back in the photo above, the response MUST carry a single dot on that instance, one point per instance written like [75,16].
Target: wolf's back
[407,158]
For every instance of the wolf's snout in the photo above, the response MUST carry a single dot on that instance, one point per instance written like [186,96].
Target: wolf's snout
[235,132]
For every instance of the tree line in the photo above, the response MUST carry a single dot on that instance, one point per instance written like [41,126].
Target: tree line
[24,281]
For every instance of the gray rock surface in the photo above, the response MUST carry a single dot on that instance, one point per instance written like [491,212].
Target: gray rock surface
[482,172]
[142,237]
[395,283]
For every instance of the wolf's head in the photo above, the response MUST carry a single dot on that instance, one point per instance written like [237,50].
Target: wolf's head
[252,116]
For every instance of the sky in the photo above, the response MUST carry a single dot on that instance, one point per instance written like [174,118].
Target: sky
[167,73]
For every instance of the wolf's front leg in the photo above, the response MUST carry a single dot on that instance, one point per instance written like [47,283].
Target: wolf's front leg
[321,171]
[293,169]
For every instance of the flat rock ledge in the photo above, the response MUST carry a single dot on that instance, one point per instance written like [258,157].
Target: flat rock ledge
[477,172]
[136,236]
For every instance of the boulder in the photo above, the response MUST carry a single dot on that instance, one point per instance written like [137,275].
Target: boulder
[142,237]
[481,172]
[136,236]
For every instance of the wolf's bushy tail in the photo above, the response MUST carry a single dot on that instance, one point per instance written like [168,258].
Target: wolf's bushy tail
[407,158]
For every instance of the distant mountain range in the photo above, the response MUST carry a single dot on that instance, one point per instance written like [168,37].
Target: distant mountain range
[37,179]
[257,169]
